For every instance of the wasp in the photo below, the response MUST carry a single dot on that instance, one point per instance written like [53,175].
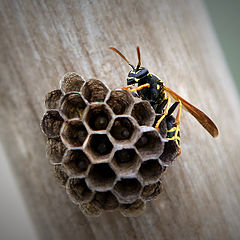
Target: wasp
[152,89]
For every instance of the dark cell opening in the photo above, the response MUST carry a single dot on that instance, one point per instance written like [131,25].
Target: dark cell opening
[100,144]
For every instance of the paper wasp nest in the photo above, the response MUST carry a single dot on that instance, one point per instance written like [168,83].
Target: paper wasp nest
[103,147]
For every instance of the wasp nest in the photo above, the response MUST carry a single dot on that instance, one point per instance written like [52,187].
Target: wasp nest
[103,147]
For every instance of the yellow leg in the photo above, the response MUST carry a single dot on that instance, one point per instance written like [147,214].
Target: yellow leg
[164,113]
[140,87]
[126,88]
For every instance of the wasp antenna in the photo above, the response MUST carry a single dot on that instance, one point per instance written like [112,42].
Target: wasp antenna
[121,55]
[139,58]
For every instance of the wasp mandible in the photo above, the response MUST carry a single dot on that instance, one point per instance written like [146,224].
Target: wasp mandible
[152,89]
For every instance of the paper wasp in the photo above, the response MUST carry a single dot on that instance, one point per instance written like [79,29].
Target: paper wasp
[151,88]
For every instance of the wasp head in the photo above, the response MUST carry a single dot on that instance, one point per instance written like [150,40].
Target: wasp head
[137,75]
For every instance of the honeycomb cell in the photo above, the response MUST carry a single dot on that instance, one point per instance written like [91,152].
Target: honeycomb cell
[73,133]
[106,200]
[150,171]
[123,129]
[71,82]
[127,190]
[52,99]
[94,91]
[132,209]
[98,117]
[72,105]
[101,177]
[55,150]
[143,113]
[99,147]
[76,162]
[126,161]
[151,191]
[51,123]
[90,209]
[120,101]
[169,153]
[78,190]
[149,144]
[60,174]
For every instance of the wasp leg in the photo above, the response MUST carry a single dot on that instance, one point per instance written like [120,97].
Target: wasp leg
[126,88]
[165,113]
[140,87]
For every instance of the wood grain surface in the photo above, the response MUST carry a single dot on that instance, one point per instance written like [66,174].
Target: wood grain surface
[42,40]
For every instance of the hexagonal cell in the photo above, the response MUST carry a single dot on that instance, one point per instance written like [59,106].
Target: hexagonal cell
[143,113]
[71,82]
[169,153]
[101,177]
[133,209]
[99,147]
[150,171]
[90,209]
[72,105]
[55,150]
[149,144]
[98,117]
[126,161]
[94,91]
[78,190]
[123,129]
[52,99]
[76,162]
[73,133]
[120,101]
[60,174]
[127,190]
[51,123]
[106,200]
[151,191]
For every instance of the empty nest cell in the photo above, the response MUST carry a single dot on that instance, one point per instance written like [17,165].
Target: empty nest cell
[76,162]
[106,200]
[127,190]
[94,91]
[122,129]
[51,123]
[72,105]
[126,161]
[143,113]
[78,190]
[99,147]
[52,99]
[71,82]
[150,171]
[120,101]
[74,133]
[98,117]
[150,144]
[101,177]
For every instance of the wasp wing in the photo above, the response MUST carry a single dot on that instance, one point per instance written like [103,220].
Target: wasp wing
[202,118]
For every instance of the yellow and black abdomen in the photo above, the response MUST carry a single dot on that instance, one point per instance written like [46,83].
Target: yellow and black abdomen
[171,129]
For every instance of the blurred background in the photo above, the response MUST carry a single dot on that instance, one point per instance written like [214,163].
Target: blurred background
[226,21]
